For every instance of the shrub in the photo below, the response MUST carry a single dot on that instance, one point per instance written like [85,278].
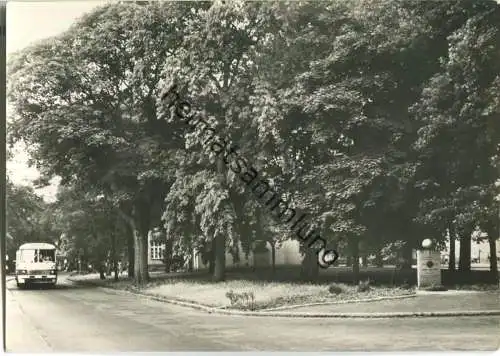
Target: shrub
[245,300]
[232,297]
[364,286]
[335,289]
[249,300]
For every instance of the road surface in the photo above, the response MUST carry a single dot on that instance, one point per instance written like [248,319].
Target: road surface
[87,319]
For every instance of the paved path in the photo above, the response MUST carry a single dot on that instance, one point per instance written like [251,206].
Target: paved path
[86,319]
[448,301]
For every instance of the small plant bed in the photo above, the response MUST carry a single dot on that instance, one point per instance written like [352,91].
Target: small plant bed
[254,295]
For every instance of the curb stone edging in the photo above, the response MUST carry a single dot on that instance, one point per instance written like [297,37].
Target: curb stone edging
[456,292]
[352,301]
[375,315]
[365,315]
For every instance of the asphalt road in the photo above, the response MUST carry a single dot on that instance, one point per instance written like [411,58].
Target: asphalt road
[88,319]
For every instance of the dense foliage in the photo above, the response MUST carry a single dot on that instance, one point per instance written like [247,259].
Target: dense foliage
[381,118]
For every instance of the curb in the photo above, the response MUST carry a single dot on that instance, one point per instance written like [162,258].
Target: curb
[365,315]
[221,311]
[352,301]
[456,292]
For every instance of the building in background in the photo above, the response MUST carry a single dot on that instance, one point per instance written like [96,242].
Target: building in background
[287,254]
[156,251]
[480,251]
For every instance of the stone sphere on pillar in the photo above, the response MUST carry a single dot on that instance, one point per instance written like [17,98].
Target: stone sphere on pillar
[427,243]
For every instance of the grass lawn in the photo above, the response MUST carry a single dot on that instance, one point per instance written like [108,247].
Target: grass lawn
[198,288]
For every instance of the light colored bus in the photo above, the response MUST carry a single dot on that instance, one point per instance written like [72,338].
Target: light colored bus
[36,263]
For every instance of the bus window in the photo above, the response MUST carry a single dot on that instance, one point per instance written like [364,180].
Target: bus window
[46,255]
[28,256]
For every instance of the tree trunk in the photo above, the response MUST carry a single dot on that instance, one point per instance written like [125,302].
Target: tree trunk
[130,252]
[220,238]
[211,258]
[108,262]
[140,238]
[492,229]
[168,254]
[114,262]
[191,264]
[465,251]
[355,261]
[348,261]
[102,270]
[309,269]
[493,255]
[452,262]
[407,257]
[145,253]
[115,270]
[364,258]
[138,273]
[379,262]
[273,255]
[220,258]
[141,258]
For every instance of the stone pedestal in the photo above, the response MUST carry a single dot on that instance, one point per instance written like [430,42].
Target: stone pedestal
[428,268]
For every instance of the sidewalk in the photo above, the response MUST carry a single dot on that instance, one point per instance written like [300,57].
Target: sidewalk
[440,302]
[22,334]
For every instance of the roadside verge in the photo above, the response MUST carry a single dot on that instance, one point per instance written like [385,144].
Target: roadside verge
[280,312]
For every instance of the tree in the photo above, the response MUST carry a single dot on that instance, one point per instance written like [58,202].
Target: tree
[91,227]
[90,115]
[27,216]
[459,112]
[216,80]
[343,111]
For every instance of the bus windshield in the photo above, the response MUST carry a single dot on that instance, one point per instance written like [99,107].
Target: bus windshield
[46,255]
[28,255]
[31,256]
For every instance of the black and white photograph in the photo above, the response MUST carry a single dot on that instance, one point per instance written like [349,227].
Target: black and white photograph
[210,176]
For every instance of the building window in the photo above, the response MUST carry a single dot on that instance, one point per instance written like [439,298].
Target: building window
[157,250]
